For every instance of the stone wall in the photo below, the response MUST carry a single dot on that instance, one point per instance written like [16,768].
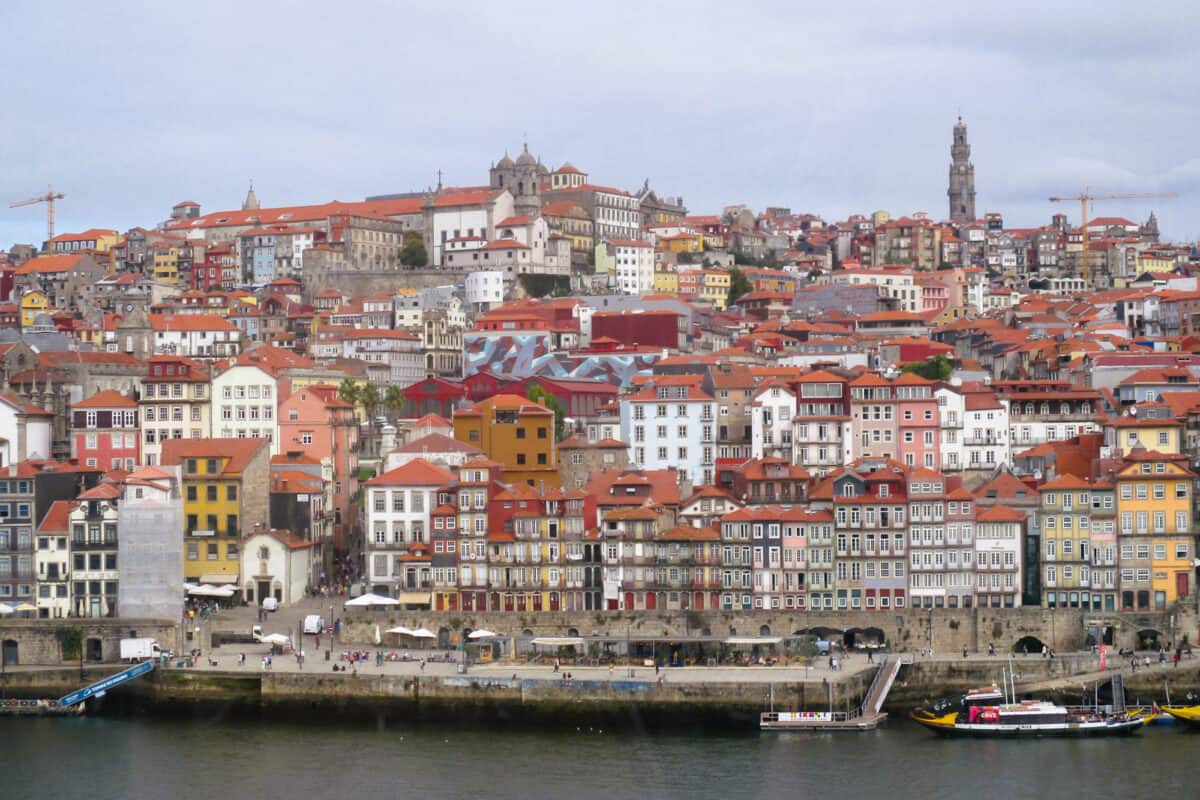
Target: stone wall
[910,630]
[38,641]
[359,282]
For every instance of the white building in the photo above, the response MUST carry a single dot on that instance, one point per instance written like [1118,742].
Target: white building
[633,265]
[245,398]
[670,425]
[485,288]
[998,537]
[276,564]
[52,561]
[897,284]
[771,413]
[464,214]
[397,505]
[399,349]
[25,430]
[195,335]
[974,428]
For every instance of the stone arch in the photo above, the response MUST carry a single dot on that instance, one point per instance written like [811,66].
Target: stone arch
[1149,639]
[444,638]
[572,631]
[706,632]
[764,630]
[1029,644]
[527,632]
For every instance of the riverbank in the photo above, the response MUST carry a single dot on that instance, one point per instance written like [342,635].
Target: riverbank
[536,696]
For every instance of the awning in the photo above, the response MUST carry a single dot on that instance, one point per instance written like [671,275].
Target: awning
[219,577]
[754,640]
[421,598]
[558,641]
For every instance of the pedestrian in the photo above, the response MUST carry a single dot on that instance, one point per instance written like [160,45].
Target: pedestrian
[1045,651]
[964,651]
[556,663]
[991,648]
[1162,656]
[656,667]
[422,665]
[1177,654]
[610,668]
[870,656]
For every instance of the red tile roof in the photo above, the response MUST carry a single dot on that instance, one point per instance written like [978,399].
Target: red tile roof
[417,472]
[109,398]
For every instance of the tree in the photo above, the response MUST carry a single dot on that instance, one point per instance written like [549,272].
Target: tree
[393,400]
[369,396]
[543,398]
[413,253]
[348,391]
[739,285]
[936,368]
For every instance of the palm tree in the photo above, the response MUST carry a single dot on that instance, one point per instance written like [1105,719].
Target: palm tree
[393,400]
[369,396]
[348,391]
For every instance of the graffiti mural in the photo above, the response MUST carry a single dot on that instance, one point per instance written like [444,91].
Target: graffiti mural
[524,355]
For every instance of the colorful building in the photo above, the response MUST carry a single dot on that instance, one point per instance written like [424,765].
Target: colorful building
[104,431]
[1154,506]
[516,433]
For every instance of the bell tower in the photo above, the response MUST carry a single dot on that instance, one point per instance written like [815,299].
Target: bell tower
[962,177]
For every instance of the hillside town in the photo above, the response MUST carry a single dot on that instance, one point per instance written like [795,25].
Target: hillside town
[542,393]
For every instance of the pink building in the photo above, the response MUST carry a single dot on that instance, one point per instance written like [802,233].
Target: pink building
[322,426]
[919,421]
[873,417]
[104,431]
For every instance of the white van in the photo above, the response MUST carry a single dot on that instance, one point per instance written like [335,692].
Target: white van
[313,624]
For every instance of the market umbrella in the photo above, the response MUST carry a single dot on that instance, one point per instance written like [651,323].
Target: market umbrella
[423,633]
[363,601]
[400,629]
[5,608]
[481,634]
[25,607]
[275,638]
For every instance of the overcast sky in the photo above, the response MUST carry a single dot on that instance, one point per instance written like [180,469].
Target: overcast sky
[129,108]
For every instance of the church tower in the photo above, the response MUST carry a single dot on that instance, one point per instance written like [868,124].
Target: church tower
[962,177]
[251,202]
[523,178]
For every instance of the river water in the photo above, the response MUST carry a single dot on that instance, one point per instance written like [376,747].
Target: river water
[97,758]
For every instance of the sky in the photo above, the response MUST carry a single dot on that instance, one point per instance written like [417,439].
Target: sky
[129,108]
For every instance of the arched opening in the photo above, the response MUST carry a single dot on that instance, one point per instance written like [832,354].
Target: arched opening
[95,649]
[527,632]
[444,638]
[1029,644]
[10,652]
[572,632]
[1148,639]
[706,632]
[764,630]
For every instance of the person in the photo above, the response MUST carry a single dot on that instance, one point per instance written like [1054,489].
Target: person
[422,665]
[1045,651]
[1177,654]
[610,669]
[556,664]
[964,651]
[1162,656]
[318,640]
[870,656]
[991,648]
[656,667]
[1147,661]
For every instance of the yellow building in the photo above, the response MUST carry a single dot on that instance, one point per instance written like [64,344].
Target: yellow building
[714,288]
[97,240]
[1151,261]
[166,265]
[666,279]
[32,304]
[682,243]
[1154,508]
[1066,506]
[515,432]
[1125,434]
[225,493]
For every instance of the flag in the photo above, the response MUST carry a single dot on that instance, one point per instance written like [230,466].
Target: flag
[1103,657]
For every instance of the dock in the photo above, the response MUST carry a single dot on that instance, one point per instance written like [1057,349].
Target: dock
[866,717]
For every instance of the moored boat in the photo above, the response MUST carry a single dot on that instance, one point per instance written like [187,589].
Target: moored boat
[39,708]
[987,712]
[1188,714]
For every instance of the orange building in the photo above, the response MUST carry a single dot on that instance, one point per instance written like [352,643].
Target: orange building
[515,432]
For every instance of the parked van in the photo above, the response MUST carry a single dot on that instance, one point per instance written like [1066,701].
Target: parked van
[313,624]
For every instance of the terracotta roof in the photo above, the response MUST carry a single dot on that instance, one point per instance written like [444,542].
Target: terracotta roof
[57,519]
[432,421]
[109,398]
[44,265]
[1067,482]
[1000,513]
[417,472]
[686,533]
[239,452]
[438,443]
[190,322]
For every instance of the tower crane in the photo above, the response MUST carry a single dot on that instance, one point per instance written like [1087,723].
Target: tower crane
[1085,198]
[48,198]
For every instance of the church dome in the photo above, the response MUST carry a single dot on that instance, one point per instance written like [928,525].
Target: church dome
[504,163]
[525,159]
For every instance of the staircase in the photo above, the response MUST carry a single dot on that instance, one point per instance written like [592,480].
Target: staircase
[1118,693]
[881,684]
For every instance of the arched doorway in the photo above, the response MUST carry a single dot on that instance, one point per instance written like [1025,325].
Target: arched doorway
[444,638]
[650,601]
[1029,644]
[764,630]
[1148,639]
[572,632]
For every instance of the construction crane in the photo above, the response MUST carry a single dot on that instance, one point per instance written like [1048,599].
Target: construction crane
[1084,199]
[48,198]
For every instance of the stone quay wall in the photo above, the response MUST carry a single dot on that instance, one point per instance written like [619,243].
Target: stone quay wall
[38,643]
[909,630]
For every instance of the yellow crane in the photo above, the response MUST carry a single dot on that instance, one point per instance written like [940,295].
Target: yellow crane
[48,198]
[1086,198]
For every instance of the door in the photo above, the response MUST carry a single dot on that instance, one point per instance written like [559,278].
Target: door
[1181,585]
[264,590]
[9,652]
[93,606]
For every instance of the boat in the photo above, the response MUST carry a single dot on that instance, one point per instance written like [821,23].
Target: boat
[39,708]
[992,712]
[1188,714]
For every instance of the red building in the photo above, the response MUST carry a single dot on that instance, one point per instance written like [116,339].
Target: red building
[434,396]
[104,431]
[640,328]
[579,398]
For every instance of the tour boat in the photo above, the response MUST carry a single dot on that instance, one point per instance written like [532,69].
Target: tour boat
[39,708]
[989,712]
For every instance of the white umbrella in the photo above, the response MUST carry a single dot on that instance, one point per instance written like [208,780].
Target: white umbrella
[400,629]
[275,638]
[5,608]
[25,607]
[366,600]
[378,638]
[480,634]
[422,633]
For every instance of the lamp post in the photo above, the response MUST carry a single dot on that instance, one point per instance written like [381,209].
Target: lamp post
[628,645]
